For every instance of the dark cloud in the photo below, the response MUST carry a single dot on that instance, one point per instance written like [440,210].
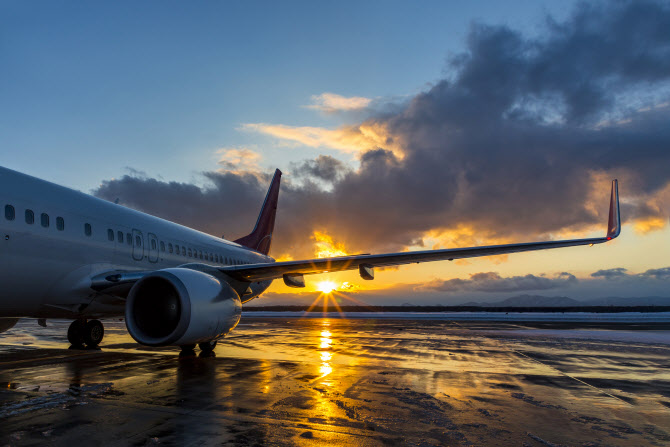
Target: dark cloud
[509,145]
[324,167]
[614,273]
[207,209]
[493,282]
[662,274]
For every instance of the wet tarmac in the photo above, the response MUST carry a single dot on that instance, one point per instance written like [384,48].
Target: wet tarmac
[292,381]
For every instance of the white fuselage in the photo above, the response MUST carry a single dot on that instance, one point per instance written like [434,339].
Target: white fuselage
[46,266]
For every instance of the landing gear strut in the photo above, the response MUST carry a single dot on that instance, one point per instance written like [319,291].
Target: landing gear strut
[86,332]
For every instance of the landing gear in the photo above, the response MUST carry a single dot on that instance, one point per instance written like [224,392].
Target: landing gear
[83,332]
[187,351]
[75,333]
[207,349]
[207,346]
[93,333]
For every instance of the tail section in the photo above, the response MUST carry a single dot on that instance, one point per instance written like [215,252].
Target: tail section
[260,238]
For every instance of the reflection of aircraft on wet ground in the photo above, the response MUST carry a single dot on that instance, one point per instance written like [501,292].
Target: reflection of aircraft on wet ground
[66,254]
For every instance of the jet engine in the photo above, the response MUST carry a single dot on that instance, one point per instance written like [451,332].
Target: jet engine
[7,323]
[180,306]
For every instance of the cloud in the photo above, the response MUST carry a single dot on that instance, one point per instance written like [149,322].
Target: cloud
[323,167]
[614,273]
[662,274]
[509,146]
[332,103]
[493,282]
[348,139]
[239,159]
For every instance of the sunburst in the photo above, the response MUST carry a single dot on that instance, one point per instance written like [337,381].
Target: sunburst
[326,286]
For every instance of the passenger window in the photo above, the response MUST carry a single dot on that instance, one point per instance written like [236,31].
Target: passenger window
[170,247]
[183,250]
[30,217]
[10,214]
[200,253]
[87,229]
[119,236]
[176,248]
[45,220]
[110,234]
[138,241]
[129,239]
[60,223]
[153,244]
[190,253]
[162,246]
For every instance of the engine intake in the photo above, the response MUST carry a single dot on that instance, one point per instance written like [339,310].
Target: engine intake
[180,306]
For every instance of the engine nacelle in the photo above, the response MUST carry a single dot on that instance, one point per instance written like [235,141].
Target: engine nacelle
[179,306]
[7,323]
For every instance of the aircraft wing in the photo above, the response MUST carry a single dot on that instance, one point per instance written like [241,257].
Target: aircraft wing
[292,271]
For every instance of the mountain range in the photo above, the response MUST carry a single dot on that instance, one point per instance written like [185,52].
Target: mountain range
[564,301]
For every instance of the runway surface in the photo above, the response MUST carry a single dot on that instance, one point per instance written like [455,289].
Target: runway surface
[312,381]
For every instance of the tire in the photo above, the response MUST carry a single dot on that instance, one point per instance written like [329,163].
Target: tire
[75,333]
[187,351]
[207,346]
[94,331]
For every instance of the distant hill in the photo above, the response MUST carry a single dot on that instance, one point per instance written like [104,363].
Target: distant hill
[641,301]
[530,301]
[564,301]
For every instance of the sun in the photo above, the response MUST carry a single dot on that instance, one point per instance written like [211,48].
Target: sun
[326,286]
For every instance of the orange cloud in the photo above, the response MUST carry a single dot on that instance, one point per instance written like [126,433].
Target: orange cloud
[326,247]
[349,139]
[331,103]
[650,224]
[462,235]
[239,159]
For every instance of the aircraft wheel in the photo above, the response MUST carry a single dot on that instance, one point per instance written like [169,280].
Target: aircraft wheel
[75,333]
[207,346]
[93,333]
[187,351]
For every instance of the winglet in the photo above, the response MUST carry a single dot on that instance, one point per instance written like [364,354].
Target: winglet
[614,223]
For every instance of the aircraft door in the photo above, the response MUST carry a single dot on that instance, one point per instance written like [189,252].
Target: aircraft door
[138,245]
[153,247]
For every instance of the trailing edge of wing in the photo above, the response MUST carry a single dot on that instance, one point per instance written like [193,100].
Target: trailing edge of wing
[260,272]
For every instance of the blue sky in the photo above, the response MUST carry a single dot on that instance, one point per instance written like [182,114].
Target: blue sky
[90,88]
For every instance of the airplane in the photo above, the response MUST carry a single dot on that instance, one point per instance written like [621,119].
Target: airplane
[69,255]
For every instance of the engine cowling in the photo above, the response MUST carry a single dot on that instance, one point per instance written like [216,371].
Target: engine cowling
[179,306]
[7,323]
